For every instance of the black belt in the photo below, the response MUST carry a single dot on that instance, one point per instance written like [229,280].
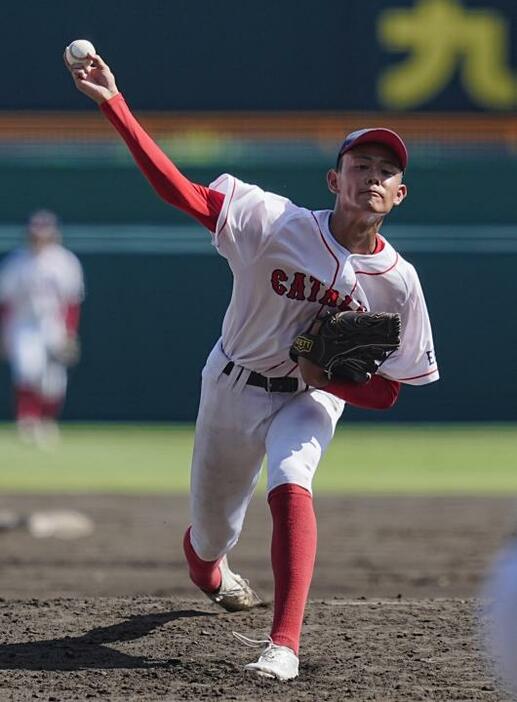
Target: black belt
[269,384]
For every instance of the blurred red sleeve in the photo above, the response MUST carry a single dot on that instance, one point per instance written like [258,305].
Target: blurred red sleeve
[198,201]
[380,393]
[72,315]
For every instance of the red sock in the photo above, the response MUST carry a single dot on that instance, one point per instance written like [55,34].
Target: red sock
[28,404]
[51,408]
[293,552]
[204,574]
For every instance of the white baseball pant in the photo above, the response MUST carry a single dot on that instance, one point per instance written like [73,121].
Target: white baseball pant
[237,426]
[31,362]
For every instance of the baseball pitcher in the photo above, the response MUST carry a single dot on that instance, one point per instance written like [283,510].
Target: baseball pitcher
[324,311]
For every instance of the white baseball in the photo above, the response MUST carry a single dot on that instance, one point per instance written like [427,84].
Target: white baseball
[77,53]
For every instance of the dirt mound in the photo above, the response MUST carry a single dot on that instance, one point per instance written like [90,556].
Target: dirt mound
[114,616]
[156,648]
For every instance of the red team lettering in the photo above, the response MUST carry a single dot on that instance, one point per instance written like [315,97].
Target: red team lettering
[315,288]
[277,278]
[296,290]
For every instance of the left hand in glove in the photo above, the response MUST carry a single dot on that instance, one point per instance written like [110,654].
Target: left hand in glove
[348,345]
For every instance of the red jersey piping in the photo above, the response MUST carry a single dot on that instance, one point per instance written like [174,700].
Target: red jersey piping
[228,208]
[380,272]
[336,260]
[422,375]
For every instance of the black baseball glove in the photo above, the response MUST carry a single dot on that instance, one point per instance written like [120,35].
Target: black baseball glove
[350,345]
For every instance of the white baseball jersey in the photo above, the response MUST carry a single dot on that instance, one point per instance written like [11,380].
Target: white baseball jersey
[288,269]
[37,288]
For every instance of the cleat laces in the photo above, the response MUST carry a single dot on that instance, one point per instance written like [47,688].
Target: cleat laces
[252,643]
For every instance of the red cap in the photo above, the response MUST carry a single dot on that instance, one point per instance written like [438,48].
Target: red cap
[377,135]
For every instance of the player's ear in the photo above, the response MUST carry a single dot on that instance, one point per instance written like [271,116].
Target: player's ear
[332,181]
[401,194]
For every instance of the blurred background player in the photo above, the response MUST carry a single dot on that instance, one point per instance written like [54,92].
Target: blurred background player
[499,597]
[41,289]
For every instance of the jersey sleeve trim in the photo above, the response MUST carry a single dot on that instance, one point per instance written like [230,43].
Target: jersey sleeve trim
[420,378]
[225,210]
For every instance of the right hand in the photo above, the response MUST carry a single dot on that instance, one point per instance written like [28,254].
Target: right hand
[96,81]
[67,352]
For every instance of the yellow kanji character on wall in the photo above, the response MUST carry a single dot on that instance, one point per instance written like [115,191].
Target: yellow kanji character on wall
[441,37]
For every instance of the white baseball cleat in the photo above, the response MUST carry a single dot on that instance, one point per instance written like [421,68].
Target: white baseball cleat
[276,662]
[235,593]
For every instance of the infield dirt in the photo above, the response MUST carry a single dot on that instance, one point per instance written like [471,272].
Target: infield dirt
[113,616]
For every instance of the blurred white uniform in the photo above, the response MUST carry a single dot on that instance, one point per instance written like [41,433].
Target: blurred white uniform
[36,288]
[500,600]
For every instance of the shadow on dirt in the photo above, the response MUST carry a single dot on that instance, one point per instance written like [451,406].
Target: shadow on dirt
[90,651]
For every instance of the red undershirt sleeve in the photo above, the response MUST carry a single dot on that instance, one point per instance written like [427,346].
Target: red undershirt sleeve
[200,202]
[72,314]
[380,393]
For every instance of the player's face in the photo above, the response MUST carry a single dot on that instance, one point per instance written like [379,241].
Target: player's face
[42,229]
[369,180]
[41,235]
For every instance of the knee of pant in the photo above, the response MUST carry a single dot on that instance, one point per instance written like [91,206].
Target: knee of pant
[29,377]
[293,472]
[28,365]
[210,546]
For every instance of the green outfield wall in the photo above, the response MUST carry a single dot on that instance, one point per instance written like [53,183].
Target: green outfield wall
[156,298]
[474,188]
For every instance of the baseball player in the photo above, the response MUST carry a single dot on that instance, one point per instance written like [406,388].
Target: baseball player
[41,289]
[499,600]
[290,266]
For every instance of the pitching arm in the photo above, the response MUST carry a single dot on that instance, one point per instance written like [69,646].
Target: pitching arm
[198,201]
